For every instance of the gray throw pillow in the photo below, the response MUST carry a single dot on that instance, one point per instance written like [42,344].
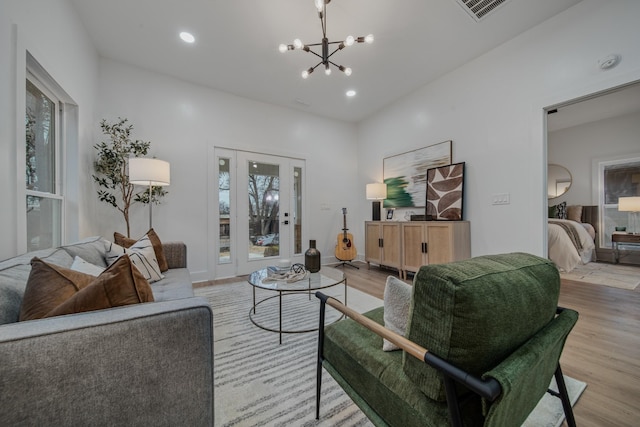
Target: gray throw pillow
[397,299]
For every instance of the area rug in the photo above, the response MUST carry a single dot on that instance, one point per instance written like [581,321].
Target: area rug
[259,382]
[600,273]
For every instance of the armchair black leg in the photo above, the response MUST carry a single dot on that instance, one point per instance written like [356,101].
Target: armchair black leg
[564,396]
[323,301]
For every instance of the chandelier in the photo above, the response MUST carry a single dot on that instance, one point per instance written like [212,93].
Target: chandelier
[325,56]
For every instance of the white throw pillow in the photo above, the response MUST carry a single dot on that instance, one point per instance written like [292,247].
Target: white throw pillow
[397,299]
[142,256]
[86,267]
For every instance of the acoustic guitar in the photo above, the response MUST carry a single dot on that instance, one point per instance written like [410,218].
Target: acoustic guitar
[345,249]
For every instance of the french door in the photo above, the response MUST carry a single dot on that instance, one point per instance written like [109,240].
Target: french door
[259,211]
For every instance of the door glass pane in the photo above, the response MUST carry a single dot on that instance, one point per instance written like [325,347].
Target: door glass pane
[43,222]
[224,188]
[40,141]
[264,210]
[297,210]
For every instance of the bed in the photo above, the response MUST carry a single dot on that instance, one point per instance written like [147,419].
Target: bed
[572,242]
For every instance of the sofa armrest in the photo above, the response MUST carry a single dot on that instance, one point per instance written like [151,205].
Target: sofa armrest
[145,364]
[176,254]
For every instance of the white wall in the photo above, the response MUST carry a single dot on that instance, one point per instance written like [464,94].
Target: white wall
[52,33]
[577,147]
[492,109]
[183,121]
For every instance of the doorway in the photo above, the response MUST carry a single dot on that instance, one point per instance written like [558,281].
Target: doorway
[587,134]
[259,212]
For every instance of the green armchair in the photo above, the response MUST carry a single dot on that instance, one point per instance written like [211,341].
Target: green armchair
[483,340]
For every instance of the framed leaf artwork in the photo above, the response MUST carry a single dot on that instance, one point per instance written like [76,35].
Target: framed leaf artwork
[406,174]
[445,192]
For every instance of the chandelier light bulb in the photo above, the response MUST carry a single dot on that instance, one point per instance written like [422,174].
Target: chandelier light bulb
[349,41]
[297,43]
[306,73]
[282,48]
[347,71]
[327,70]
[319,5]
[369,39]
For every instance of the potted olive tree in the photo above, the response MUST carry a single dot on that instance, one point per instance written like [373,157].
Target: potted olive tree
[112,172]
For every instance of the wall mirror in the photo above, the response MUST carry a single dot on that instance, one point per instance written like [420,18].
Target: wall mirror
[558,180]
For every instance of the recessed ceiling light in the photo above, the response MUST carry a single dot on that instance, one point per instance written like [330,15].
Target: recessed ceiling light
[187,37]
[351,93]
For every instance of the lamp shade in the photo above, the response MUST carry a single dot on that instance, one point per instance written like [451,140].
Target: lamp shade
[376,191]
[629,204]
[145,171]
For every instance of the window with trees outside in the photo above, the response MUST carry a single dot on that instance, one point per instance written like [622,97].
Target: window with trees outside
[618,178]
[44,197]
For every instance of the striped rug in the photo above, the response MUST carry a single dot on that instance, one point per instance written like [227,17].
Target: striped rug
[259,382]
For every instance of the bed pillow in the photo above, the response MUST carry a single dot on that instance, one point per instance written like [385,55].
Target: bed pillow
[126,242]
[142,256]
[120,284]
[562,210]
[397,298]
[574,213]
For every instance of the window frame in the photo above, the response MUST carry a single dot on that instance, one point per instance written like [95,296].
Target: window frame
[35,74]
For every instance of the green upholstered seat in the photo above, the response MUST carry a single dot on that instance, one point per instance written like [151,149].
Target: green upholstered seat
[374,379]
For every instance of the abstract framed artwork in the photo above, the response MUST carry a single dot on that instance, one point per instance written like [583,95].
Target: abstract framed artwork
[445,193]
[406,174]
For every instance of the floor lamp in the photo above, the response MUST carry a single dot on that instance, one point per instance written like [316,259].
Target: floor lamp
[631,204]
[144,171]
[376,191]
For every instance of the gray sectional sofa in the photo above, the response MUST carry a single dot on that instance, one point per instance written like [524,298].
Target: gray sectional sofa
[142,364]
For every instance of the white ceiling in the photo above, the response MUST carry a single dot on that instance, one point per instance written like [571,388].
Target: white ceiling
[236,48]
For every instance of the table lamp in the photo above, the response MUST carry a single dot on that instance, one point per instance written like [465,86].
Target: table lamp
[145,171]
[632,205]
[376,191]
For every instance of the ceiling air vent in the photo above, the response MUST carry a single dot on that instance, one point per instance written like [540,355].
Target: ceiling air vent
[479,9]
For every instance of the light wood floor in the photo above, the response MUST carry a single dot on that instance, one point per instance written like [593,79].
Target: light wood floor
[602,350]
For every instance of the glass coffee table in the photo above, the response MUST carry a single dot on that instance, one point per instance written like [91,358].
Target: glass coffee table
[327,277]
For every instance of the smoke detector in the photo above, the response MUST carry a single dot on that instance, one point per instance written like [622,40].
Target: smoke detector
[609,62]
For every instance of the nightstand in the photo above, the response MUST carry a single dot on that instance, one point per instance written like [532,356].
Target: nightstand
[625,238]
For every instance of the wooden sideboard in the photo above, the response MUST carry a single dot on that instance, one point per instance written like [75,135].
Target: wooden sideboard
[407,246]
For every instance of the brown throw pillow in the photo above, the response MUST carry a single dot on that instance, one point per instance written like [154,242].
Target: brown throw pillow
[120,284]
[125,242]
[48,286]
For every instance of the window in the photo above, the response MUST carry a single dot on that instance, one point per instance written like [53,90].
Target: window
[44,201]
[618,178]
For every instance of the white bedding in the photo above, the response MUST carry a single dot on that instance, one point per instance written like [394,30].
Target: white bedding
[562,251]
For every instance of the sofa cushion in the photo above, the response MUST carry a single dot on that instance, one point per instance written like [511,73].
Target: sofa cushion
[142,256]
[14,274]
[124,241]
[91,249]
[120,284]
[397,299]
[175,285]
[474,313]
[49,286]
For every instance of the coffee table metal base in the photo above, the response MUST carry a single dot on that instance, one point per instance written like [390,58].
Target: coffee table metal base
[284,293]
